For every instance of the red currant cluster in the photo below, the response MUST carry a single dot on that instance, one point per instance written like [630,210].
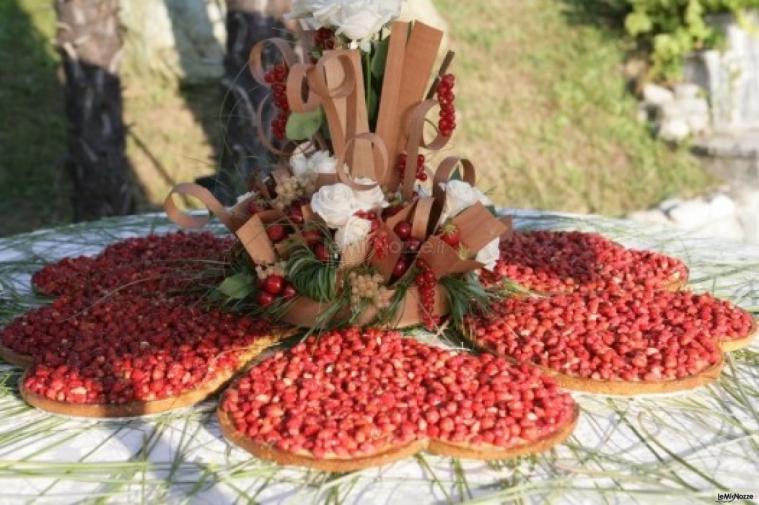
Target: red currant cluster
[426,284]
[324,39]
[274,286]
[276,77]
[445,98]
[380,244]
[401,166]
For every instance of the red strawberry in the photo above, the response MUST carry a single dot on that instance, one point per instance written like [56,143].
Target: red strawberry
[273,284]
[276,232]
[451,236]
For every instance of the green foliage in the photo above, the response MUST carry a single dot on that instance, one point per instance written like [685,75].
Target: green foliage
[466,295]
[672,28]
[302,125]
[311,277]
[237,286]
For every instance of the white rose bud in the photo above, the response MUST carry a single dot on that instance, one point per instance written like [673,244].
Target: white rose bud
[334,203]
[369,199]
[489,254]
[354,230]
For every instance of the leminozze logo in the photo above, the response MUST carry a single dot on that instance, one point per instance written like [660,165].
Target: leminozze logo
[731,497]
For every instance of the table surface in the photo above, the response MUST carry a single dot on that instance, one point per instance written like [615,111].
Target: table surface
[684,447]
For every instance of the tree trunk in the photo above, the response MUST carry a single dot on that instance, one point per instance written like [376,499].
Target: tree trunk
[248,21]
[89,41]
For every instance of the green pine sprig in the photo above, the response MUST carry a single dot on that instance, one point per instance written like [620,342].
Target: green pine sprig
[310,276]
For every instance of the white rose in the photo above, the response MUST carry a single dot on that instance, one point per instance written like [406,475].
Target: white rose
[369,199]
[489,254]
[460,195]
[334,203]
[357,20]
[354,230]
[306,168]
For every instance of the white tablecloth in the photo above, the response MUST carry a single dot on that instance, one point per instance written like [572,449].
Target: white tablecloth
[689,446]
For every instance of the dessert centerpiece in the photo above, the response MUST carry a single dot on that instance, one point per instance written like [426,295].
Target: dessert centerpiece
[352,234]
[355,225]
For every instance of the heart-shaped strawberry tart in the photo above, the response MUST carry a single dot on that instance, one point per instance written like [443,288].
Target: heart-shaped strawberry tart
[142,265]
[127,355]
[352,399]
[566,262]
[643,341]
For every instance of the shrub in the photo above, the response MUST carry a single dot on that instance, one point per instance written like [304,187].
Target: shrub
[672,28]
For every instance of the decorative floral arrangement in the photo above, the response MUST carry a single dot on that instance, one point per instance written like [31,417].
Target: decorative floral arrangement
[354,225]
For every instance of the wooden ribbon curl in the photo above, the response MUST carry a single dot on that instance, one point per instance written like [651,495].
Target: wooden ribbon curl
[213,205]
[379,169]
[445,170]
[255,59]
[415,140]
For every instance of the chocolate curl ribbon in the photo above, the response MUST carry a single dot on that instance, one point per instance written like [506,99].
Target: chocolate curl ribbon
[415,140]
[213,205]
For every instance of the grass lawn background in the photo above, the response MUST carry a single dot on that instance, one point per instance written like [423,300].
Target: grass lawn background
[542,110]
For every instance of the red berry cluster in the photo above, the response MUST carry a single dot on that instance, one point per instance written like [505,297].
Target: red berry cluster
[276,78]
[273,287]
[400,166]
[445,97]
[565,262]
[426,284]
[128,348]
[645,334]
[380,244]
[143,265]
[350,393]
[324,39]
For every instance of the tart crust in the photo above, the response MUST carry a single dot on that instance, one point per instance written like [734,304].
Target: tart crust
[622,387]
[140,408]
[389,454]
